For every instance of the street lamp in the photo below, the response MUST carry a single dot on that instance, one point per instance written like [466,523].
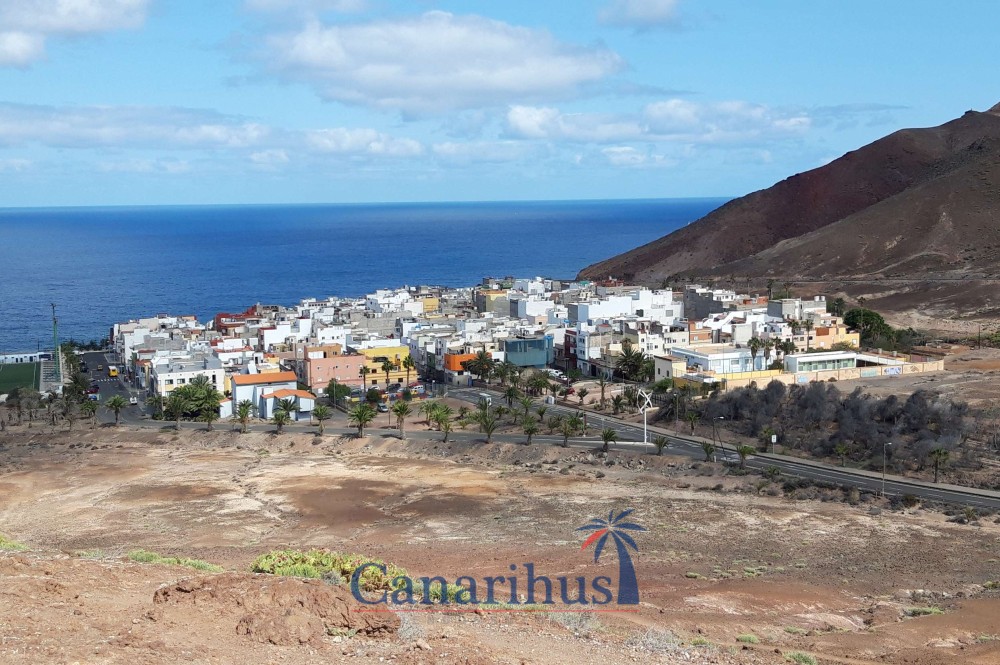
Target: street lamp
[884,446]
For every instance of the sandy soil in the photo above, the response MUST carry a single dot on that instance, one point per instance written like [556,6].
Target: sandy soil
[718,561]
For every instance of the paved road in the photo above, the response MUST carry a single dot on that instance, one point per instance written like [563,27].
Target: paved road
[111,386]
[631,438]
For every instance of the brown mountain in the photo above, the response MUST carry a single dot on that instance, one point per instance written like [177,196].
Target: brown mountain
[917,207]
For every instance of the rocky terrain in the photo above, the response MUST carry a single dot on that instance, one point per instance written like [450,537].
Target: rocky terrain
[731,570]
[908,222]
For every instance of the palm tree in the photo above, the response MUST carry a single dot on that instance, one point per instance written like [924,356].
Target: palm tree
[482,365]
[446,426]
[541,411]
[488,424]
[709,449]
[287,405]
[628,588]
[361,416]
[808,325]
[68,410]
[209,416]
[409,366]
[842,450]
[745,451]
[768,347]
[583,392]
[940,457]
[388,367]
[177,405]
[692,418]
[630,361]
[442,414]
[530,426]
[363,373]
[89,409]
[116,404]
[617,404]
[754,344]
[244,412]
[321,412]
[602,383]
[525,404]
[608,436]
[510,394]
[554,423]
[569,427]
[401,410]
[660,443]
[280,419]
[538,383]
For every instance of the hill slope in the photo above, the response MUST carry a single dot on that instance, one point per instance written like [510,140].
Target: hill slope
[918,204]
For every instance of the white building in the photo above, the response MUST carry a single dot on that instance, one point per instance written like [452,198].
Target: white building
[170,373]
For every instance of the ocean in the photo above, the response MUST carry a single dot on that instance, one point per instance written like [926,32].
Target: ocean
[101,265]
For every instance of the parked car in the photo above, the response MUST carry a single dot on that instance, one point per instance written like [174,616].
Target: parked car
[100,368]
[93,389]
[133,400]
[383,407]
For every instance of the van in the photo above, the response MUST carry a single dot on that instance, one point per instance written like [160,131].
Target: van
[112,370]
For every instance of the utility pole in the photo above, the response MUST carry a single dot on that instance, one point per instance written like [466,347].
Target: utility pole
[55,346]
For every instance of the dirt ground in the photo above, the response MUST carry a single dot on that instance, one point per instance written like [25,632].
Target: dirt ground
[719,561]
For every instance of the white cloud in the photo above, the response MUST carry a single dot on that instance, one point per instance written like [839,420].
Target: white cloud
[438,62]
[14,164]
[673,120]
[549,123]
[19,49]
[26,24]
[631,157]
[641,13]
[269,159]
[483,151]
[168,166]
[346,6]
[124,126]
[359,141]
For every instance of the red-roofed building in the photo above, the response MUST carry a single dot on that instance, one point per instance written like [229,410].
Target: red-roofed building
[264,391]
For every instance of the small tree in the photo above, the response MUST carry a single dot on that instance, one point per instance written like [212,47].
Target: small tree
[488,424]
[660,443]
[209,416]
[115,404]
[245,410]
[745,451]
[322,413]
[361,416]
[692,419]
[401,410]
[280,419]
[582,393]
[89,409]
[530,426]
[940,457]
[608,436]
[446,426]
[176,405]
[709,449]
[842,450]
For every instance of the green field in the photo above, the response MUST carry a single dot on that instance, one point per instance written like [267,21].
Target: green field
[19,374]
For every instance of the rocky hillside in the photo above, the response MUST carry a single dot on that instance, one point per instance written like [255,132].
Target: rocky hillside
[918,206]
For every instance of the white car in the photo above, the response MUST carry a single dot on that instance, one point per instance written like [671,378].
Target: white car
[133,400]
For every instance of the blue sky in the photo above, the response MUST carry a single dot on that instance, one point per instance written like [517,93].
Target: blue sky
[124,102]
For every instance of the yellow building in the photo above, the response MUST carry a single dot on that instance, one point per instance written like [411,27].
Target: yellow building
[824,337]
[375,375]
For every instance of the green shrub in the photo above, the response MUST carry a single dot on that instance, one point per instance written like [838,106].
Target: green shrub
[700,642]
[923,611]
[795,630]
[145,556]
[748,639]
[6,544]
[800,658]
[992,584]
[325,563]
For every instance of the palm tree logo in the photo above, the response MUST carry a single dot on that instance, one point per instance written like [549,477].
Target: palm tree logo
[628,587]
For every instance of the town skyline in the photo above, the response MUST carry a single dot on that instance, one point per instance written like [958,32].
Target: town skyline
[127,102]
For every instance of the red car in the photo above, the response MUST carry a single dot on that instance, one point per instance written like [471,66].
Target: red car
[93,389]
